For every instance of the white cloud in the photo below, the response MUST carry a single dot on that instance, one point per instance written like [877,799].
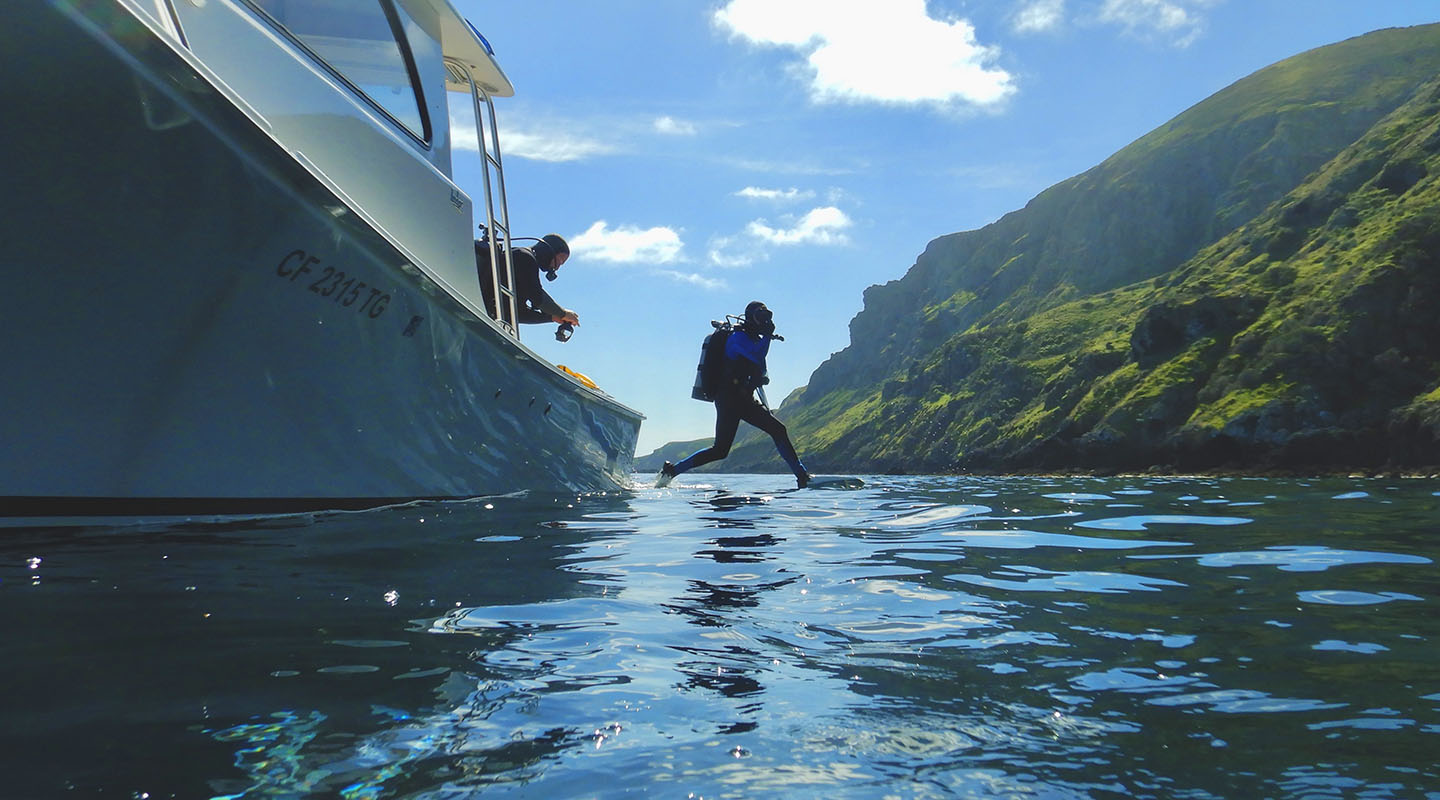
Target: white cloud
[674,127]
[1180,19]
[865,51]
[1038,16]
[550,146]
[628,244]
[521,144]
[703,282]
[755,243]
[776,195]
[732,260]
[733,252]
[792,166]
[823,225]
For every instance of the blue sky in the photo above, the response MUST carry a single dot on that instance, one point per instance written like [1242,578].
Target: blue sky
[700,154]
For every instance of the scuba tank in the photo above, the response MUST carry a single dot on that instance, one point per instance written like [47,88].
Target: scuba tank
[710,372]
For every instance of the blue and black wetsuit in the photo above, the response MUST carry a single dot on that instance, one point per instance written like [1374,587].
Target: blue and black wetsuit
[744,372]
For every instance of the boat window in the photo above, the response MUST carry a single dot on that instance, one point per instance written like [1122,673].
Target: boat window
[363,43]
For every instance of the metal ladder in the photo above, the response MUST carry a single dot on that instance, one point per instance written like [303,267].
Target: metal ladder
[502,272]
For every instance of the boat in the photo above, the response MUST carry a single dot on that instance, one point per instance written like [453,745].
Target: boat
[240,276]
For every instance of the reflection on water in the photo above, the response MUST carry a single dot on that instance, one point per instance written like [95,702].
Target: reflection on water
[914,637]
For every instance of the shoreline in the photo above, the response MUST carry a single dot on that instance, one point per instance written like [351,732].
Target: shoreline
[1154,472]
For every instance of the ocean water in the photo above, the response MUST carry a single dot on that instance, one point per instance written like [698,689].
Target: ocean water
[726,638]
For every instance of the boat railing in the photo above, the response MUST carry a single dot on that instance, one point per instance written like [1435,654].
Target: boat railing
[501,275]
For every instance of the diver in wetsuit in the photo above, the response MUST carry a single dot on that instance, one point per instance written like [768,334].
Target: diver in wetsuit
[533,304]
[744,373]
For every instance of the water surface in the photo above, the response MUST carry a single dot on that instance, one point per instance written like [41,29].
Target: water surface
[918,637]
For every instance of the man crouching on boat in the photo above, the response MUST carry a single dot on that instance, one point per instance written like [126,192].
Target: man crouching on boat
[535,304]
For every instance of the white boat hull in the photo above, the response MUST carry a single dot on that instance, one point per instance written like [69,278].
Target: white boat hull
[192,322]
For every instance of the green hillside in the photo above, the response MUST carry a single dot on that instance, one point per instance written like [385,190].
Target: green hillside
[671,451]
[1252,285]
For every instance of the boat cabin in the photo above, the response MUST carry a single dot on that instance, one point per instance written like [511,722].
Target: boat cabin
[356,90]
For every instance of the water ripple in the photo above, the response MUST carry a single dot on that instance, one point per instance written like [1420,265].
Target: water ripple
[1244,701]
[1026,540]
[1100,582]
[931,517]
[1077,497]
[941,636]
[1142,521]
[1342,597]
[1299,558]
[1356,647]
[1170,640]
[1132,680]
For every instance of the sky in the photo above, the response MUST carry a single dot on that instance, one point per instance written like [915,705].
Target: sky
[700,154]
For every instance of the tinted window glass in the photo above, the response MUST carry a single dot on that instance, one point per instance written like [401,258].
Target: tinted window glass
[356,39]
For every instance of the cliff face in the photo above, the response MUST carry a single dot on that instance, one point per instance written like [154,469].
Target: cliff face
[1252,285]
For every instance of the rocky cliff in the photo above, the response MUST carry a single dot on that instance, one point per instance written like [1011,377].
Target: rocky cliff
[1254,285]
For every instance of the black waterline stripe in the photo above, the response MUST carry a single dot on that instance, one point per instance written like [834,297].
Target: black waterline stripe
[134,506]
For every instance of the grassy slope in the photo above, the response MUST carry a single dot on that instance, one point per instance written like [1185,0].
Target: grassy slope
[1035,314]
[1293,340]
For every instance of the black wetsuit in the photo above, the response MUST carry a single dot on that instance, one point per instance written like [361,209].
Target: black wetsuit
[735,401]
[533,303]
